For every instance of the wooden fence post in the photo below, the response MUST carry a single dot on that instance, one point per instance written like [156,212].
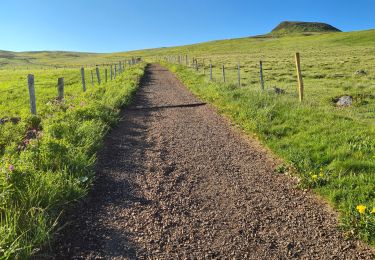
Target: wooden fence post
[119,67]
[299,75]
[106,75]
[239,74]
[98,75]
[261,75]
[111,73]
[115,71]
[30,81]
[223,72]
[211,71]
[83,79]
[60,89]
[92,78]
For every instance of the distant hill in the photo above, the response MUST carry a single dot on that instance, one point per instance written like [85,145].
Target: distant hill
[288,27]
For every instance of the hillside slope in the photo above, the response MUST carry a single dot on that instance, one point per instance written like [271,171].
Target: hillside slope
[288,27]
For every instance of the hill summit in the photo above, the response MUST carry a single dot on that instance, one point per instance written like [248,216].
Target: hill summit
[288,27]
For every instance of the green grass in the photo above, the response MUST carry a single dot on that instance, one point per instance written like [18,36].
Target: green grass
[14,100]
[47,161]
[56,59]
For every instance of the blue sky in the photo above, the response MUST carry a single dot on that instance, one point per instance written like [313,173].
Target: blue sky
[121,25]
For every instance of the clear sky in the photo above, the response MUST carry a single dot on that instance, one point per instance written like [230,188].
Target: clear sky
[121,25]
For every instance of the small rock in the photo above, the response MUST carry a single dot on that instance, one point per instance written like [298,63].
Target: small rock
[344,101]
[360,73]
[279,90]
[15,120]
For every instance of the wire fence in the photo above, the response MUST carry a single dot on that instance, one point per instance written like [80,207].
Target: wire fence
[25,96]
[233,74]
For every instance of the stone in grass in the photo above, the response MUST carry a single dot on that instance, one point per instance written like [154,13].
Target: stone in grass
[360,73]
[344,101]
[14,120]
[279,90]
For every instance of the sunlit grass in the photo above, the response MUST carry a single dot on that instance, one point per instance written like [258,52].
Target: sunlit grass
[47,160]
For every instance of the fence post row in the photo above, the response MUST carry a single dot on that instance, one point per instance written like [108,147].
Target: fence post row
[194,64]
[60,89]
[83,79]
[261,75]
[299,75]
[30,81]
[98,75]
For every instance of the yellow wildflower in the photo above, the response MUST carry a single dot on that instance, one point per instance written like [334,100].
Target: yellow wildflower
[373,210]
[314,177]
[361,209]
[321,175]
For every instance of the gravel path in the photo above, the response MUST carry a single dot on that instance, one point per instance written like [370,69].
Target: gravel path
[176,181]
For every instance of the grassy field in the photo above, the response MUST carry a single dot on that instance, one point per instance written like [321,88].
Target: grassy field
[14,100]
[47,160]
[331,148]
[53,60]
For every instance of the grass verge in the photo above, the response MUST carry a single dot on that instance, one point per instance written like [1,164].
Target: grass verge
[51,166]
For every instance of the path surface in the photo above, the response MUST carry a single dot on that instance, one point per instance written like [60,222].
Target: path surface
[176,181]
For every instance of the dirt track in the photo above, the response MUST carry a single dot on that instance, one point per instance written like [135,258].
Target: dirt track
[176,181]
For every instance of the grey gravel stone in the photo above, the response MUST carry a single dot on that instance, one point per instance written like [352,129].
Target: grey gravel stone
[344,101]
